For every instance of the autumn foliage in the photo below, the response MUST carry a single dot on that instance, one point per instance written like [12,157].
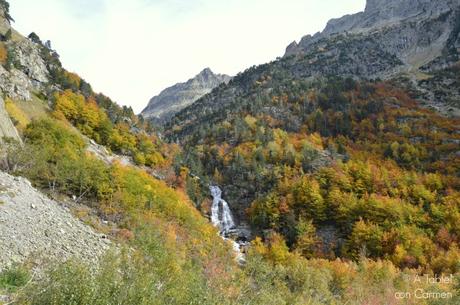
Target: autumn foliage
[339,168]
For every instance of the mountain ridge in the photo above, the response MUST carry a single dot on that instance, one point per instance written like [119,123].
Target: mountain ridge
[416,31]
[173,99]
[417,51]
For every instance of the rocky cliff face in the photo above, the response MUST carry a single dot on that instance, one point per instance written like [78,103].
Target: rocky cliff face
[422,37]
[380,14]
[27,73]
[407,28]
[173,99]
[25,70]
[22,71]
[416,31]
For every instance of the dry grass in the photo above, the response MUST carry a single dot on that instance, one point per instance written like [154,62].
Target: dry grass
[3,54]
[24,112]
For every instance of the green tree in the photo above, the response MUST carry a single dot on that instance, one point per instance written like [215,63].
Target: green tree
[365,240]
[308,199]
[9,34]
[306,238]
[5,6]
[34,38]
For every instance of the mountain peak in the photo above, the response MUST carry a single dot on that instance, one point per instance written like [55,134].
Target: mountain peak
[206,71]
[175,98]
[204,75]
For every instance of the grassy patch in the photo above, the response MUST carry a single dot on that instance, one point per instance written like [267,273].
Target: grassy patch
[19,117]
[23,112]
[13,278]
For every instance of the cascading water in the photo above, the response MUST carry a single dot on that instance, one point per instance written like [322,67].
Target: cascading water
[221,217]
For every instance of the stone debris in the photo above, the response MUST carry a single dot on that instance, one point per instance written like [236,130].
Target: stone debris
[36,229]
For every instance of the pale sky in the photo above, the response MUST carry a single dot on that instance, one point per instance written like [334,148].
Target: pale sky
[130,50]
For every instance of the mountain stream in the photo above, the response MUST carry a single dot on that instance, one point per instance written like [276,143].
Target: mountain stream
[222,218]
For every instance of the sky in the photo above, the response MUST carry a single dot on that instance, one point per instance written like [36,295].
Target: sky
[131,50]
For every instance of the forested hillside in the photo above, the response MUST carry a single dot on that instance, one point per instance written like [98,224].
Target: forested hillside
[356,162]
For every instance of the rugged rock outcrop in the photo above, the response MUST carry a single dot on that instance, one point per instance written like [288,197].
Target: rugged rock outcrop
[102,153]
[420,37]
[416,31]
[28,74]
[31,61]
[26,70]
[173,99]
[15,84]
[36,229]
[23,72]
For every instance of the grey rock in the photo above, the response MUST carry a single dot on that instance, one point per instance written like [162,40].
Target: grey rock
[30,59]
[173,99]
[414,30]
[29,75]
[417,39]
[15,84]
[104,155]
[5,299]
[36,235]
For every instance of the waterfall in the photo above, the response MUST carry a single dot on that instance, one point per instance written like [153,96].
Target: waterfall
[221,217]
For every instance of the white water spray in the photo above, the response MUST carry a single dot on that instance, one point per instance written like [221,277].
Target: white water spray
[221,217]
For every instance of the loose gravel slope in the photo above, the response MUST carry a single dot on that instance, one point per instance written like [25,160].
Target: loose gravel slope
[35,229]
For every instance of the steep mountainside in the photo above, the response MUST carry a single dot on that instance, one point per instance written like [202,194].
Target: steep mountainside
[134,197]
[415,42]
[416,31]
[173,99]
[423,35]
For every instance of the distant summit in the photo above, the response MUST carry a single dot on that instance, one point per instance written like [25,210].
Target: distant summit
[175,98]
